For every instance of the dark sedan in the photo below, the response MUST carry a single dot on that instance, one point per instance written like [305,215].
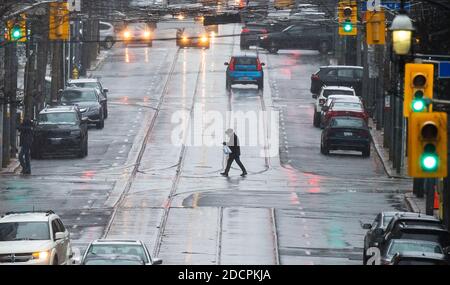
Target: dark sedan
[346,133]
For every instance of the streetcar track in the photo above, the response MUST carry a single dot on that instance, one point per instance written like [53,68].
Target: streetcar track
[143,146]
[176,179]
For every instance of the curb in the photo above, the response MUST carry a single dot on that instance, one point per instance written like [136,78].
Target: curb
[99,62]
[410,204]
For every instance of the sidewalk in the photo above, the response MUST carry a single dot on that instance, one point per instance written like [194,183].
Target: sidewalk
[13,166]
[383,153]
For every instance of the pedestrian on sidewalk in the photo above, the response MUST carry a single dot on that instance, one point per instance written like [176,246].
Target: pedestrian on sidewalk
[235,154]
[26,139]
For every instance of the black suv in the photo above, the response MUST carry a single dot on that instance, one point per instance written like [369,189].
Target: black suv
[251,33]
[338,75]
[58,130]
[313,36]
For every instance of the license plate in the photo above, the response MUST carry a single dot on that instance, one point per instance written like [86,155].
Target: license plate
[348,134]
[56,140]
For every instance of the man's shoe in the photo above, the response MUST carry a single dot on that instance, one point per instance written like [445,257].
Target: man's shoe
[244,174]
[224,174]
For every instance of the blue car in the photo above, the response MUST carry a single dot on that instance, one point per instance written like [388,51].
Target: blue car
[245,70]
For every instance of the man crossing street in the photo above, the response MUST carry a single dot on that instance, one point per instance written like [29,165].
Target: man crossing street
[235,154]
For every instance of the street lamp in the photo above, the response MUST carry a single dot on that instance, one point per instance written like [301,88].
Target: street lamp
[402,29]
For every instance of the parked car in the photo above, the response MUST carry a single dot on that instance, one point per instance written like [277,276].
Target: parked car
[118,251]
[34,238]
[337,75]
[337,98]
[315,36]
[92,83]
[60,130]
[324,93]
[138,33]
[192,37]
[375,231]
[348,109]
[346,133]
[107,35]
[419,258]
[89,101]
[245,69]
[399,246]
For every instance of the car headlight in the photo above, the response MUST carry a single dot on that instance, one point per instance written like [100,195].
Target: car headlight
[184,38]
[147,34]
[75,133]
[83,110]
[42,255]
[127,34]
[204,39]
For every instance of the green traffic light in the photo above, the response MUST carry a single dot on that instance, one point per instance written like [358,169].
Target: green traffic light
[418,105]
[16,33]
[429,160]
[348,27]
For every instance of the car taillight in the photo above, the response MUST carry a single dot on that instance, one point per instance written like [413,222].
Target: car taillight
[264,31]
[245,30]
[231,66]
[258,65]
[315,77]
[321,101]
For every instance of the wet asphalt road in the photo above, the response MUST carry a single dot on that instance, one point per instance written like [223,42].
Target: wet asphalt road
[139,181]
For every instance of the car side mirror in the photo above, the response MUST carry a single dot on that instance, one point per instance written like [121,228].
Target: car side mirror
[106,90]
[60,235]
[157,261]
[314,96]
[366,226]
[226,63]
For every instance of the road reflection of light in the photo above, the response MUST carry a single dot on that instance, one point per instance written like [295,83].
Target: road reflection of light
[314,181]
[127,55]
[146,99]
[88,174]
[124,100]
[146,54]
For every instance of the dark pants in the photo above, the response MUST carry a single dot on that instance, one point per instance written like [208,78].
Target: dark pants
[232,158]
[24,158]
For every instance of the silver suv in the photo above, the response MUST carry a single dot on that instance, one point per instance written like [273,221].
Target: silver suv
[107,35]
[34,238]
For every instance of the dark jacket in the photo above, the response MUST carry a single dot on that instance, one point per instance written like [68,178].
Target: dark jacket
[26,133]
[234,145]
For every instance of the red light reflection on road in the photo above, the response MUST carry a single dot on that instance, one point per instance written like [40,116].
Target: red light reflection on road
[314,181]
[88,174]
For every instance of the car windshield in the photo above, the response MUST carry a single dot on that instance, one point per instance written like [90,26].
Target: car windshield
[24,231]
[68,118]
[245,61]
[117,249]
[76,96]
[402,246]
[327,93]
[137,26]
[113,262]
[347,123]
[347,105]
[85,85]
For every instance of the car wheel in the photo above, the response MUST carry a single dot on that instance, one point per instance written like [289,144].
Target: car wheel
[109,42]
[316,120]
[228,85]
[364,257]
[366,152]
[324,150]
[55,261]
[100,125]
[324,47]
[261,85]
[105,115]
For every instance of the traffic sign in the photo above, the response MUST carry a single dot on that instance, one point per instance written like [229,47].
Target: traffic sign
[444,69]
[389,5]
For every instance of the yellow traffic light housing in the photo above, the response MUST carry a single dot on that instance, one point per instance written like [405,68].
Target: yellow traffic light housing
[427,148]
[376,27]
[418,88]
[59,27]
[16,30]
[348,20]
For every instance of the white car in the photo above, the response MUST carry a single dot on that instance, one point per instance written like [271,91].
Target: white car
[34,238]
[118,252]
[323,95]
[107,34]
